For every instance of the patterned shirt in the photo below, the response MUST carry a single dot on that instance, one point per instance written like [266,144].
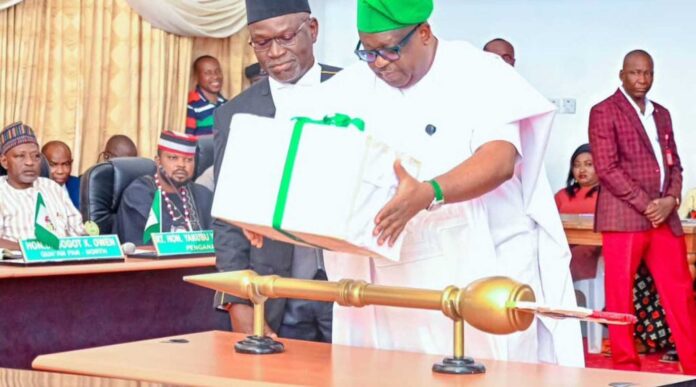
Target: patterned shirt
[199,113]
[18,205]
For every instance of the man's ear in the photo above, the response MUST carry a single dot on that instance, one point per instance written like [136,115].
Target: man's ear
[3,161]
[314,29]
[425,33]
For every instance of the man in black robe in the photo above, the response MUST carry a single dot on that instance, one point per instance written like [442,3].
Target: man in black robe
[185,205]
[282,34]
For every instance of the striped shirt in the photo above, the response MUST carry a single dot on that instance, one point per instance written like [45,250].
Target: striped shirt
[199,112]
[17,208]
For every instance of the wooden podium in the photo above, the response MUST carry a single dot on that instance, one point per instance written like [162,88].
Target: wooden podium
[209,359]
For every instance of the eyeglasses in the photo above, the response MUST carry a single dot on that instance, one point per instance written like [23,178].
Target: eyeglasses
[287,40]
[390,54]
[105,156]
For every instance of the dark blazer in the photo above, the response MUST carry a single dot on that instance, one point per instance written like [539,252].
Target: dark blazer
[627,168]
[232,249]
[73,187]
[136,203]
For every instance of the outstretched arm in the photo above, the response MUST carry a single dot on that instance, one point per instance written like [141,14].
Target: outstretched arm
[490,166]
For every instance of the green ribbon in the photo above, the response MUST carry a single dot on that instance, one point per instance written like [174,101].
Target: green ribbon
[337,120]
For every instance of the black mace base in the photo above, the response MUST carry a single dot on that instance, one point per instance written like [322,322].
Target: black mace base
[258,345]
[465,365]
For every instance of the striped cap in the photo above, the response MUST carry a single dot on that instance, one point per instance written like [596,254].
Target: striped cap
[16,134]
[178,143]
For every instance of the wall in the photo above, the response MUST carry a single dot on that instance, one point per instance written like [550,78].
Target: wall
[566,49]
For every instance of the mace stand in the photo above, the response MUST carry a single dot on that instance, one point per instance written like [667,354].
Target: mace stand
[483,304]
[259,343]
[459,364]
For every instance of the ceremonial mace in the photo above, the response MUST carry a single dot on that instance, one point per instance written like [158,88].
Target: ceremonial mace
[484,304]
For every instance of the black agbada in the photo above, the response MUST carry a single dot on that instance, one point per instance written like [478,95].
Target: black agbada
[136,203]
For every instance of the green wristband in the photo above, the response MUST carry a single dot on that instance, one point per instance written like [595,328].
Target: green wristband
[439,197]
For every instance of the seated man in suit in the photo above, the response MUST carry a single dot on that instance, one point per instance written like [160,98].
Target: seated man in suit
[60,162]
[255,73]
[503,49]
[19,190]
[118,145]
[185,205]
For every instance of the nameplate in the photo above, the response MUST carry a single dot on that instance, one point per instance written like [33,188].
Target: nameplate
[181,243]
[73,249]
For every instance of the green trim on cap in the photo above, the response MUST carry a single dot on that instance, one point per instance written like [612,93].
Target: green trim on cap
[376,16]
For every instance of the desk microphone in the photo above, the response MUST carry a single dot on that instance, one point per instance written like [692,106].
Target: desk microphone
[430,129]
[128,248]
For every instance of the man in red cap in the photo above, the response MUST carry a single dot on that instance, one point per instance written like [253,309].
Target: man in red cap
[185,205]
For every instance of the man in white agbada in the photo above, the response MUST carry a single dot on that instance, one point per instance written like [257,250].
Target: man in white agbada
[480,132]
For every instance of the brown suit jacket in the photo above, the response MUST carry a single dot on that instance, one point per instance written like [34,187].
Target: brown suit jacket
[627,167]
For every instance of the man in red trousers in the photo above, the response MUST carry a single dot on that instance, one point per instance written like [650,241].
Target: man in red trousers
[640,173]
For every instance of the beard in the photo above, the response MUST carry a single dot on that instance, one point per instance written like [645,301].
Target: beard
[172,181]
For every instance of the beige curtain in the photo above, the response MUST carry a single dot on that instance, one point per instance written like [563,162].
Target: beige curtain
[207,18]
[83,70]
[8,3]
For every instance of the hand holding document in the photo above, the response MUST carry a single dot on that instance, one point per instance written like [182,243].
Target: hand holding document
[316,182]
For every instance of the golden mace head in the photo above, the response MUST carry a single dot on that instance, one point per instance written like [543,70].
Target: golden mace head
[484,305]
[241,283]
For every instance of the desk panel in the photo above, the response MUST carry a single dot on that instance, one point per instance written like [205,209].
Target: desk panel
[131,264]
[209,359]
[14,377]
[58,308]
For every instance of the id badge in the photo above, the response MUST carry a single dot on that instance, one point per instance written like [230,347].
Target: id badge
[669,157]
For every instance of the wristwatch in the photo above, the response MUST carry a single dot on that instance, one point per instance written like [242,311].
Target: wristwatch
[439,198]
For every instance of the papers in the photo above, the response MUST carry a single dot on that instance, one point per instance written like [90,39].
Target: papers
[318,186]
[579,313]
[10,254]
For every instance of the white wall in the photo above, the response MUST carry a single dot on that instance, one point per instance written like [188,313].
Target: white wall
[566,49]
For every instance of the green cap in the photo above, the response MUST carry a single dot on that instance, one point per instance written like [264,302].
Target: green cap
[387,15]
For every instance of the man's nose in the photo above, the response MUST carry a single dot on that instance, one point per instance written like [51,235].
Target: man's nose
[380,62]
[276,49]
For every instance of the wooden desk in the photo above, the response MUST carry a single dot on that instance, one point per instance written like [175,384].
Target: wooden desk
[209,359]
[579,231]
[14,377]
[131,264]
[48,309]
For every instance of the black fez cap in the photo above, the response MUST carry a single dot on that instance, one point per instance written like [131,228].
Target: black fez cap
[258,10]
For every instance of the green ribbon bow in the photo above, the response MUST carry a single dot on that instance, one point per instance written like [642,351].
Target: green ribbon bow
[337,120]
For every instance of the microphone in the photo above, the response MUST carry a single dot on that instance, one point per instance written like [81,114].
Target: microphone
[430,129]
[128,248]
